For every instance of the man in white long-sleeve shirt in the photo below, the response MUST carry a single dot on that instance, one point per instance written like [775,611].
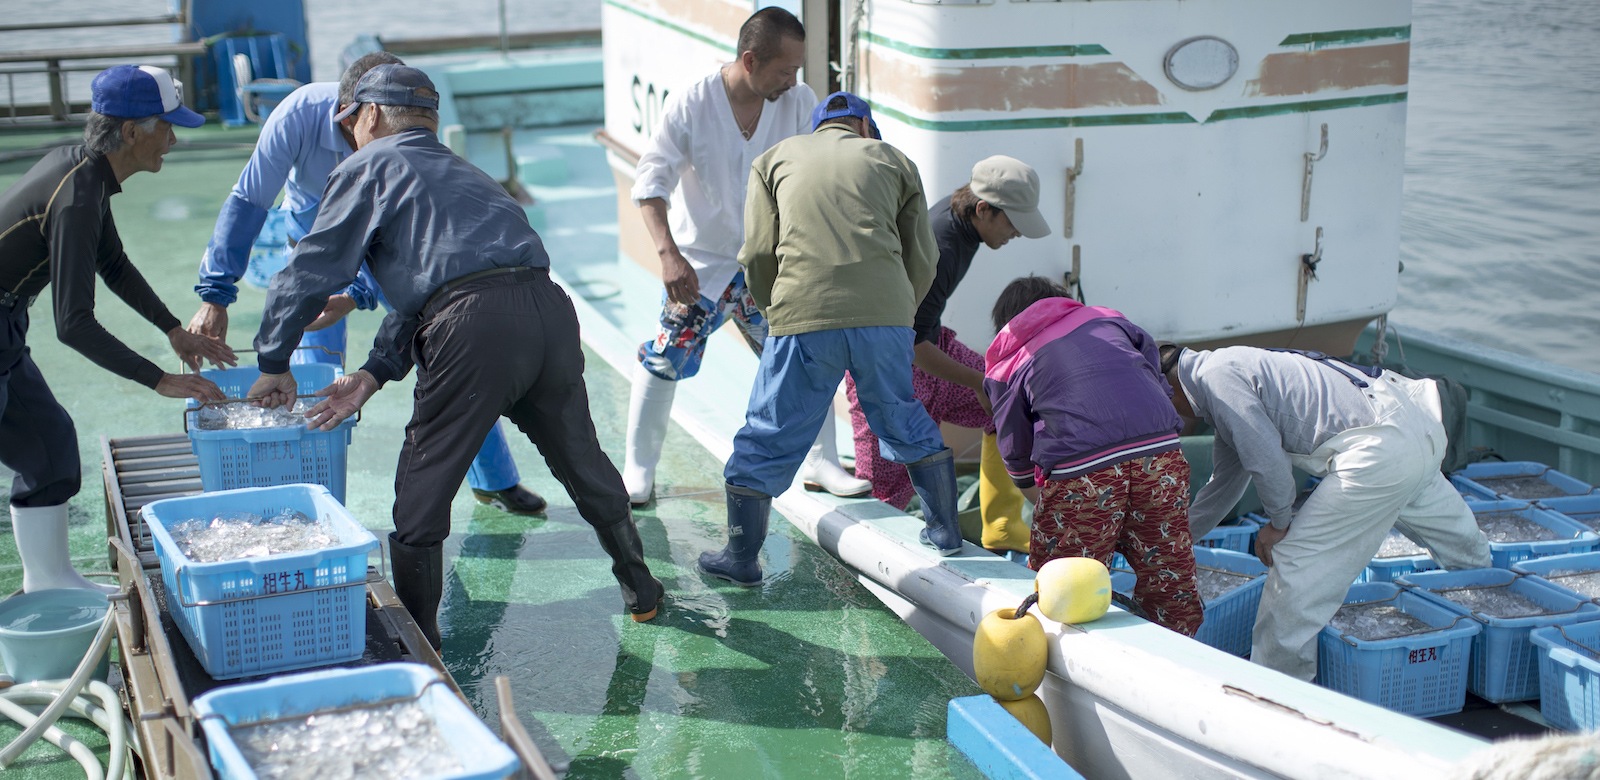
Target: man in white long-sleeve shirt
[1373,436]
[699,159]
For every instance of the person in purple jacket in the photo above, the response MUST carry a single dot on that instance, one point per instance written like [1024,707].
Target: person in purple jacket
[1087,429]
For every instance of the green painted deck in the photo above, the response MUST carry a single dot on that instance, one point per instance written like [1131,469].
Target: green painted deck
[807,676]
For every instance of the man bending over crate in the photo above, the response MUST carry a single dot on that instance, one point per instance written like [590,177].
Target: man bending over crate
[56,229]
[1374,437]
[456,258]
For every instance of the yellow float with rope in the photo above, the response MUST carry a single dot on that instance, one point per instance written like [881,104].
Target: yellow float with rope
[1073,590]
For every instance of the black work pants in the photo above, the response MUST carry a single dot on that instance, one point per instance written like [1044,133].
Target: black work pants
[37,438]
[503,345]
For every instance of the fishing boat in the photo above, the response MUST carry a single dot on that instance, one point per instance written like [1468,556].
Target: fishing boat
[1266,137]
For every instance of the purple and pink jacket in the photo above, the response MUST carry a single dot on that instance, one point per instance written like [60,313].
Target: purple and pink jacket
[1076,389]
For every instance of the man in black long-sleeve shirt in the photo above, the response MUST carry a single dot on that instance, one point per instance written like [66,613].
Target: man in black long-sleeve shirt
[56,230]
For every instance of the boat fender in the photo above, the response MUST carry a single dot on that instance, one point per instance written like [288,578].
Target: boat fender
[1073,590]
[1031,713]
[1009,653]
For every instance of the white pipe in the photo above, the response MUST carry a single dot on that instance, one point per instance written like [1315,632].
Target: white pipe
[55,736]
[107,716]
[69,692]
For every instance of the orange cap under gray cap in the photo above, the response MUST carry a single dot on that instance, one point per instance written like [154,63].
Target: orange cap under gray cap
[393,85]
[1010,185]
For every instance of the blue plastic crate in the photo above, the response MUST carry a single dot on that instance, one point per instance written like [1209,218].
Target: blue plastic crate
[1574,537]
[1483,476]
[270,614]
[482,756]
[1472,492]
[1569,675]
[1238,535]
[1504,664]
[1420,674]
[1390,569]
[1584,510]
[1231,618]
[263,457]
[1551,571]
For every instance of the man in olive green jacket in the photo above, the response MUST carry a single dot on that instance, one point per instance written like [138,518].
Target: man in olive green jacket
[837,254]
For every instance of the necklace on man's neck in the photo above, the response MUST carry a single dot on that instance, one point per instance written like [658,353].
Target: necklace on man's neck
[746,131]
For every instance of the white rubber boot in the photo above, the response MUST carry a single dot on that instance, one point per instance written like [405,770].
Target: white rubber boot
[649,410]
[821,470]
[41,535]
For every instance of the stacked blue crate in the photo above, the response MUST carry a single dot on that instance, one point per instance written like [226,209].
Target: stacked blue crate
[1571,536]
[1488,481]
[1504,664]
[1562,571]
[1584,510]
[1231,617]
[1569,675]
[1238,534]
[1422,674]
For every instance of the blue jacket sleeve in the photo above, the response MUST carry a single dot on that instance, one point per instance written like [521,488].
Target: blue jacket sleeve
[365,290]
[228,254]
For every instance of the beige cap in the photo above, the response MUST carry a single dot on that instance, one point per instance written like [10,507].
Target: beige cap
[1010,185]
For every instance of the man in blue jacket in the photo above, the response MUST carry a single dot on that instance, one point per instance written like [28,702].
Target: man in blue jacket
[300,145]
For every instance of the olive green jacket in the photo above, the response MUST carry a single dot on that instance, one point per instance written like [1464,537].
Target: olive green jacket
[836,234]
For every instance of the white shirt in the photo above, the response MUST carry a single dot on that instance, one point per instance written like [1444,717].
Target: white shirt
[699,162]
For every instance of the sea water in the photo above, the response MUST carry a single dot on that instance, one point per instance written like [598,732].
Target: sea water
[1375,620]
[391,741]
[1214,583]
[242,415]
[230,536]
[1512,527]
[1498,602]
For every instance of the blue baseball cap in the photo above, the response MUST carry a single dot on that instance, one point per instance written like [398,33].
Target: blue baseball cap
[853,106]
[139,91]
[392,85]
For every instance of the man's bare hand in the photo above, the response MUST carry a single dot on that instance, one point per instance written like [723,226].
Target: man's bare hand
[335,309]
[683,285]
[194,349]
[273,390]
[1266,539]
[189,386]
[341,400]
[211,320]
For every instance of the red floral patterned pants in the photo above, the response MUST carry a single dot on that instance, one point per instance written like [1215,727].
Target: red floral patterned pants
[1140,509]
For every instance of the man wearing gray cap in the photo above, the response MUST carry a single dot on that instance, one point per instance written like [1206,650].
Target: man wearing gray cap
[1000,203]
[461,267]
[56,231]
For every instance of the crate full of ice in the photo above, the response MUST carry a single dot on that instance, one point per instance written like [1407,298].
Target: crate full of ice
[1578,573]
[263,580]
[1230,586]
[1569,675]
[1507,606]
[239,446]
[1397,650]
[387,721]
[1520,480]
[1519,531]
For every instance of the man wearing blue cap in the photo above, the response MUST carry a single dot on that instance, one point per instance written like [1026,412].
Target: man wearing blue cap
[461,268]
[299,146]
[56,229]
[847,215]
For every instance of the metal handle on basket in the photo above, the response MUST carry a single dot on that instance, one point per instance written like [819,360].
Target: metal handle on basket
[224,402]
[351,707]
[236,599]
[336,353]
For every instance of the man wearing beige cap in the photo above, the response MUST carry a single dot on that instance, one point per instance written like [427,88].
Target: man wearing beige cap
[1000,203]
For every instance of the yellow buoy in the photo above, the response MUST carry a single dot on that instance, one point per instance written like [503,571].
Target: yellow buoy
[1008,654]
[1073,590]
[1030,712]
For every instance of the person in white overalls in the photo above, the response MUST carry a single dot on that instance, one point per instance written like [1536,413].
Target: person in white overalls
[1375,439]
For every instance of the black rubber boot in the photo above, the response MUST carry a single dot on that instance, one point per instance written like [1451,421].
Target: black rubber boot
[516,499]
[419,582]
[640,591]
[934,479]
[740,562]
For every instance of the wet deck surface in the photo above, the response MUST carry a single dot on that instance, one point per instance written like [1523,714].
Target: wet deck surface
[806,676]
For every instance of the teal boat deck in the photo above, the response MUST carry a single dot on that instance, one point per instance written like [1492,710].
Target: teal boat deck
[809,675]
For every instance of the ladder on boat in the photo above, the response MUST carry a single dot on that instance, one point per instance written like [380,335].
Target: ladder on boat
[160,675]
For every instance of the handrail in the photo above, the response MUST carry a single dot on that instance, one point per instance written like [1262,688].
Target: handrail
[610,142]
[533,40]
[73,25]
